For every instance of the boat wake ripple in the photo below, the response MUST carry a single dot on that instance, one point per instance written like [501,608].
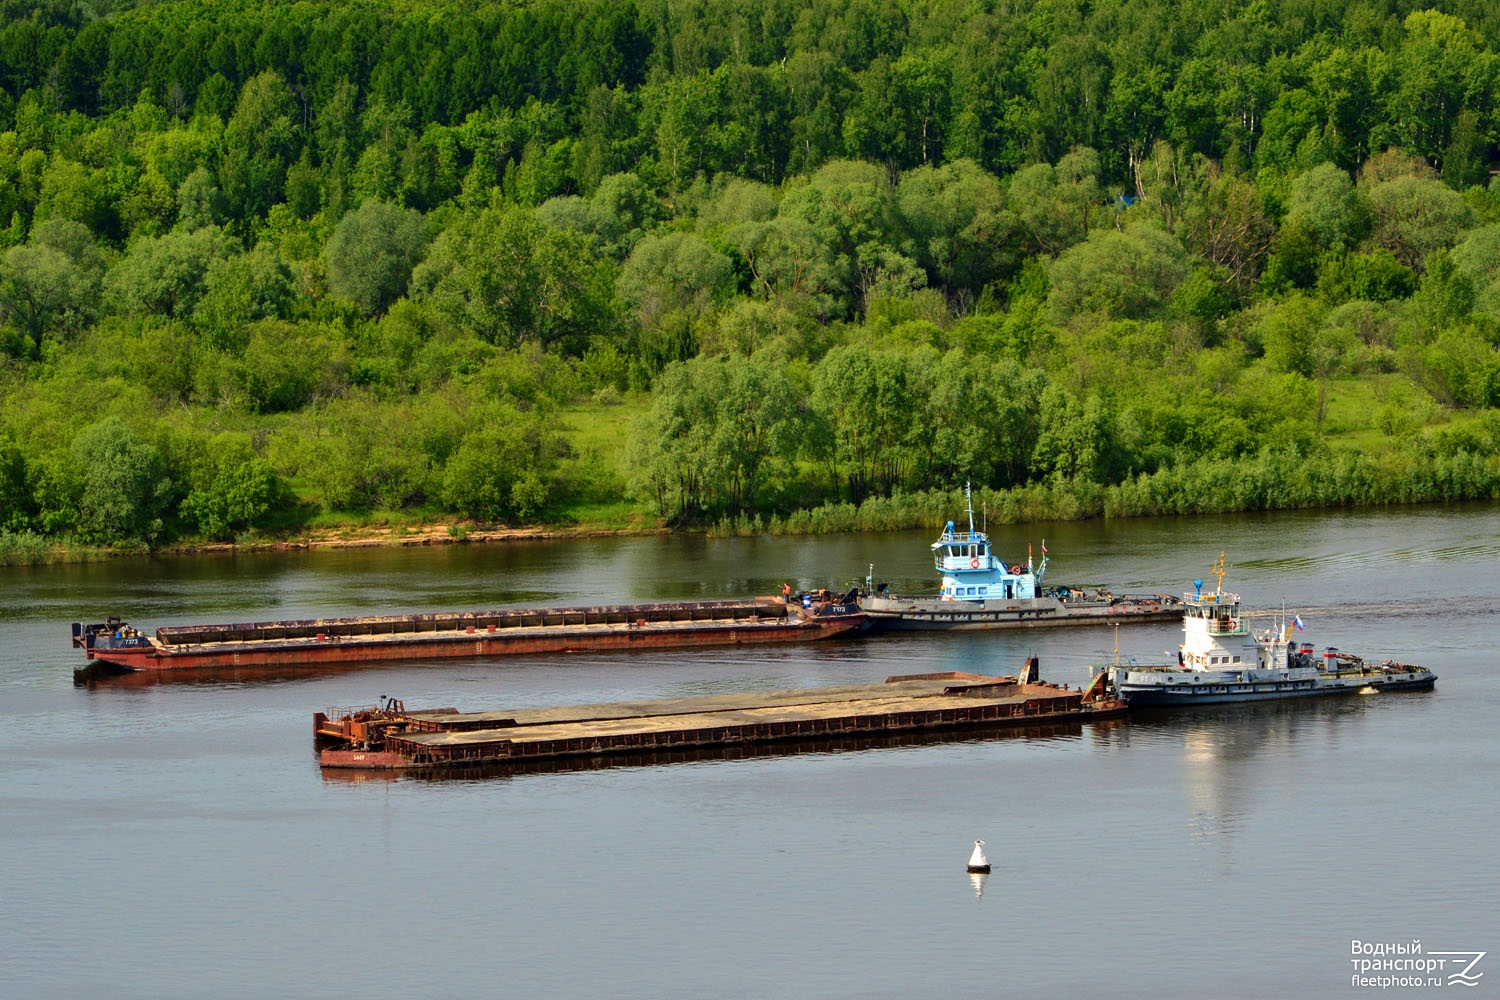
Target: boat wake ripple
[1393,609]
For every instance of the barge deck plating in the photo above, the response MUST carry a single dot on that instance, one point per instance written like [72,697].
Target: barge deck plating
[388,736]
[357,641]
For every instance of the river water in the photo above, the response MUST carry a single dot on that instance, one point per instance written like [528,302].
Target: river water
[178,839]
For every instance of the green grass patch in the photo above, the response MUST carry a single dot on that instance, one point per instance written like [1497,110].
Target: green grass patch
[1376,415]
[380,518]
[592,479]
[1350,409]
[622,515]
[588,427]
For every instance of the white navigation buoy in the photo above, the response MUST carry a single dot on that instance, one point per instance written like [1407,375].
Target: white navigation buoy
[977,861]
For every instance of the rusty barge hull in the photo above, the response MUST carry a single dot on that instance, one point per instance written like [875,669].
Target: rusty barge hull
[842,743]
[364,640]
[395,739]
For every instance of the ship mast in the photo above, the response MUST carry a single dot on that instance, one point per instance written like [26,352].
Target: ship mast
[1218,571]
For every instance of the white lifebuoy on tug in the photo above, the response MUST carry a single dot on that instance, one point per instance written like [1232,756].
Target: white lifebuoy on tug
[974,563]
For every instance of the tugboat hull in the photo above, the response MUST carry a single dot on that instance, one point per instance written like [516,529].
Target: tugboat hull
[1221,661]
[979,590]
[919,614]
[1147,696]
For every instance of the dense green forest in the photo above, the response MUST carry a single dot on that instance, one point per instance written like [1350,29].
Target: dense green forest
[785,266]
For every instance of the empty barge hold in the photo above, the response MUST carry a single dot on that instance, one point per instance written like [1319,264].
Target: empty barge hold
[388,736]
[365,640]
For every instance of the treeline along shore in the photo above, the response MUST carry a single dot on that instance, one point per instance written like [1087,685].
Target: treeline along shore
[270,271]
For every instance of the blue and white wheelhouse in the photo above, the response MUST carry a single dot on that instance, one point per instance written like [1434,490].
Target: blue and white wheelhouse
[972,572]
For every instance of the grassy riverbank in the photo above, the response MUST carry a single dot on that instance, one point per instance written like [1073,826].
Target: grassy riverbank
[1271,482]
[31,549]
[1274,480]
[1361,459]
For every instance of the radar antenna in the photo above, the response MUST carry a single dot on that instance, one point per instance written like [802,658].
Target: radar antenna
[1218,571]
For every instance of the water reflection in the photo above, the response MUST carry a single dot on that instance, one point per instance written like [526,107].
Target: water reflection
[1233,755]
[99,675]
[976,879]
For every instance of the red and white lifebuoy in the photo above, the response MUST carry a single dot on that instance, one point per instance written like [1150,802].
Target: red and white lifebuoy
[974,563]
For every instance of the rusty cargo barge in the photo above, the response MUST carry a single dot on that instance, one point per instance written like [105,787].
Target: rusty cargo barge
[389,737]
[115,645]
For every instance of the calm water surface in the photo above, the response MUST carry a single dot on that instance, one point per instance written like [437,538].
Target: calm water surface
[178,840]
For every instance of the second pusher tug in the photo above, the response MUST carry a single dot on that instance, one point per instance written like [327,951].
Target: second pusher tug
[972,571]
[979,590]
[1222,660]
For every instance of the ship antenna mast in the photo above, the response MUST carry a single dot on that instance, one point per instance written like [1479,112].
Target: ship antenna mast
[969,499]
[1218,571]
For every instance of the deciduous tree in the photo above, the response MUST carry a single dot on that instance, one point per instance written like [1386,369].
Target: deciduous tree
[371,254]
[125,487]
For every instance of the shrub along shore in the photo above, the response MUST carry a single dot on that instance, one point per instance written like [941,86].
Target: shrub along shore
[275,272]
[1274,481]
